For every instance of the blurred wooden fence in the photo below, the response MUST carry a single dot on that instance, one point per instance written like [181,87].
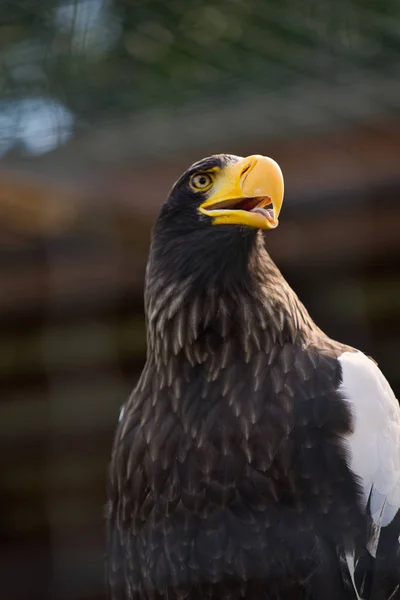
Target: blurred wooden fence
[72,330]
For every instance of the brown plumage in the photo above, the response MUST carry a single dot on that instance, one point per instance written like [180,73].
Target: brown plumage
[228,476]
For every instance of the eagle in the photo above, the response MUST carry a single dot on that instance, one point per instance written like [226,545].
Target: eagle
[256,458]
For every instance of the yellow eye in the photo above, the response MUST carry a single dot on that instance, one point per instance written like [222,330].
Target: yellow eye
[201,181]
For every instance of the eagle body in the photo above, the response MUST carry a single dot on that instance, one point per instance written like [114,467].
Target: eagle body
[256,458]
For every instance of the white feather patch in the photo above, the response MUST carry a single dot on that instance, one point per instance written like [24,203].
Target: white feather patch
[374,446]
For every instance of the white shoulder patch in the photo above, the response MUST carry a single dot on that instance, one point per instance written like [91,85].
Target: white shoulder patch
[374,446]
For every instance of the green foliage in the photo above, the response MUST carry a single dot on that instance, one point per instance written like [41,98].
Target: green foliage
[114,57]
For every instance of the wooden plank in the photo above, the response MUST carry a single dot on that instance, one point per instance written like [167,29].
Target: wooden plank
[72,347]
[68,278]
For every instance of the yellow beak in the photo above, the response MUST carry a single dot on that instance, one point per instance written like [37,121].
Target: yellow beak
[248,192]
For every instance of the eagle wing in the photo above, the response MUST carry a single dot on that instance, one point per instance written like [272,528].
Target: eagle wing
[375,441]
[126,490]
[374,457]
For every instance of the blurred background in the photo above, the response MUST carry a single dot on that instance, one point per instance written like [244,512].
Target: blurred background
[103,103]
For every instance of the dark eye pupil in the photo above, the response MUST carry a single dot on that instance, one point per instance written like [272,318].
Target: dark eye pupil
[201,181]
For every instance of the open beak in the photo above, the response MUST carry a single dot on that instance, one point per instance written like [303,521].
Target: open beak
[248,192]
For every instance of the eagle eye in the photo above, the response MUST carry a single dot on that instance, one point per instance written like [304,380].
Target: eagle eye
[201,182]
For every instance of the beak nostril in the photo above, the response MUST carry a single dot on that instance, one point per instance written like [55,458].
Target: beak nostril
[245,171]
[249,164]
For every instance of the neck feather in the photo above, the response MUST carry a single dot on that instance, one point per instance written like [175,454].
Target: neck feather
[231,318]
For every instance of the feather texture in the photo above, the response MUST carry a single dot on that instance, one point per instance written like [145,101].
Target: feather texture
[375,441]
[257,458]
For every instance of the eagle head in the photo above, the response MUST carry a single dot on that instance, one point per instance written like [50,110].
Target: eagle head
[209,223]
